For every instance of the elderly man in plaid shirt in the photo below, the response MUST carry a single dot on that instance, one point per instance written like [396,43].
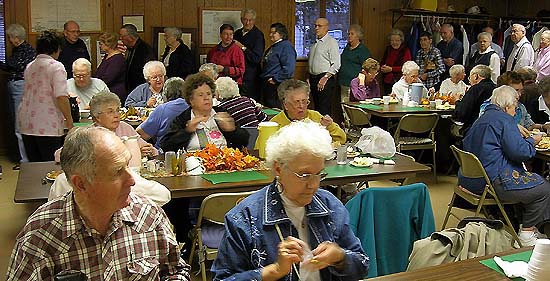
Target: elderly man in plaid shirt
[430,61]
[100,229]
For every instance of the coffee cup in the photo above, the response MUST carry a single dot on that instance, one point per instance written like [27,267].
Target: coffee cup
[194,166]
[386,99]
[432,104]
[438,103]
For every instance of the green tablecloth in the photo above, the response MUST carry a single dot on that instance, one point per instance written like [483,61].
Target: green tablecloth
[81,124]
[523,256]
[370,106]
[271,111]
[345,170]
[234,177]
[414,108]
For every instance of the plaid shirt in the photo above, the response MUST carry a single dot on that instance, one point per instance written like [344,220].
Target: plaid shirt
[430,62]
[139,245]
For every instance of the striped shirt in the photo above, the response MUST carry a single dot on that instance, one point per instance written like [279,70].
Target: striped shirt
[244,111]
[139,244]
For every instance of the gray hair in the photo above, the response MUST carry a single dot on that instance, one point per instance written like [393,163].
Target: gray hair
[290,85]
[456,69]
[485,34]
[397,32]
[481,70]
[544,84]
[173,88]
[248,11]
[173,31]
[504,96]
[546,34]
[78,155]
[519,26]
[17,31]
[409,67]
[227,88]
[150,65]
[102,99]
[449,26]
[82,62]
[358,29]
[210,67]
[131,29]
[299,137]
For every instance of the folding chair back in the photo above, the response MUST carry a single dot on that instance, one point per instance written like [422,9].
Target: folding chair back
[212,211]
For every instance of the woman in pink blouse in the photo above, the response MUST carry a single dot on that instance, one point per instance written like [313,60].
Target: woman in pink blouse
[44,112]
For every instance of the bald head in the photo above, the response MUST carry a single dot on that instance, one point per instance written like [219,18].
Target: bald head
[321,27]
[71,31]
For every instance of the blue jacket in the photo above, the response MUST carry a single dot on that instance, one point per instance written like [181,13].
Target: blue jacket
[139,96]
[250,240]
[388,221]
[279,61]
[496,141]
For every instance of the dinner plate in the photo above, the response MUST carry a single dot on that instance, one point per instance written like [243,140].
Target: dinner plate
[52,175]
[542,149]
[353,154]
[355,164]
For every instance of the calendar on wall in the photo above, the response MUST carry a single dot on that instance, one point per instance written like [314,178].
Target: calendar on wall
[52,14]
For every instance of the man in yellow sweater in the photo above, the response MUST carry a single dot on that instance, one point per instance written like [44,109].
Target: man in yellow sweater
[294,96]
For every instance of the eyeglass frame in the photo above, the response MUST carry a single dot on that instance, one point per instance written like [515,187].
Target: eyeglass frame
[308,177]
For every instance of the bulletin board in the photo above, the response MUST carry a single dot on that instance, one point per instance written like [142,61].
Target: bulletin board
[52,14]
[211,20]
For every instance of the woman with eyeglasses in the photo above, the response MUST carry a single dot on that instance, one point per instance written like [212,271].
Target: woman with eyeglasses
[202,123]
[105,112]
[291,229]
[294,96]
[149,94]
[410,75]
[365,86]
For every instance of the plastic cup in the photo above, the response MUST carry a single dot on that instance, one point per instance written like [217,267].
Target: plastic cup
[386,99]
[438,103]
[342,155]
[168,156]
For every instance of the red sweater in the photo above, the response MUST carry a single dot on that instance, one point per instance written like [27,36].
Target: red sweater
[395,59]
[232,59]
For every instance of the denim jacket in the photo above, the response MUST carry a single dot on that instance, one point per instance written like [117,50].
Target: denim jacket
[250,240]
[495,139]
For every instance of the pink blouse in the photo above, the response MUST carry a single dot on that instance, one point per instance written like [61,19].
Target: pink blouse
[45,81]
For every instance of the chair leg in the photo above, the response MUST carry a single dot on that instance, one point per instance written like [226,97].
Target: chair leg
[434,165]
[509,223]
[448,212]
[192,253]
[203,270]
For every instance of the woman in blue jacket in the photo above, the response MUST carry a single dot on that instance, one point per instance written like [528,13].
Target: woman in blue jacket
[495,139]
[278,64]
[291,229]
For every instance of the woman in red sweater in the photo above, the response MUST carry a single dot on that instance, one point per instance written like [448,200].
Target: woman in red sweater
[228,57]
[395,56]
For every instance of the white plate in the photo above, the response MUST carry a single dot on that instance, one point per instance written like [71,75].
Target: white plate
[542,149]
[133,118]
[51,176]
[353,154]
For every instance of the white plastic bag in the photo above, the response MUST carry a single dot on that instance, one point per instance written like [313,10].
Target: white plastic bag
[376,142]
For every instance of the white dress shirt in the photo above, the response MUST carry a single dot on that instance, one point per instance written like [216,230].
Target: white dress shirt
[522,53]
[324,56]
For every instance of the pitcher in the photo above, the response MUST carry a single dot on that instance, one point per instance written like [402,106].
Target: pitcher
[265,130]
[133,146]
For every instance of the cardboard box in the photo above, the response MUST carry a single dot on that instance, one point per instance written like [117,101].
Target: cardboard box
[429,5]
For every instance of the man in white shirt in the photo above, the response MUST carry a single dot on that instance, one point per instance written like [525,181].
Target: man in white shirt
[522,54]
[83,85]
[323,64]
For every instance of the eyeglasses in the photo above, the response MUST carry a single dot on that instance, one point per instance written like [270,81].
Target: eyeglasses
[306,177]
[300,102]
[80,76]
[111,111]
[372,74]
[156,78]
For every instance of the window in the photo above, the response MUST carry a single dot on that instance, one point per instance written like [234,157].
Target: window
[307,11]
[2,33]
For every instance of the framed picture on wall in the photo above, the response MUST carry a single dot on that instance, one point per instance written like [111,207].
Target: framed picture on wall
[211,20]
[188,36]
[136,20]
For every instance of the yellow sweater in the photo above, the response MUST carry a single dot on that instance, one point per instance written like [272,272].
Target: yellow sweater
[334,130]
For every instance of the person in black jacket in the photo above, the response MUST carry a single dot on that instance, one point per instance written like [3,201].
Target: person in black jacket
[137,54]
[467,109]
[539,108]
[72,47]
[251,40]
[177,56]
[202,123]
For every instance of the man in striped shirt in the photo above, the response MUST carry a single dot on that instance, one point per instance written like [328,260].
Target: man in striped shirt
[100,229]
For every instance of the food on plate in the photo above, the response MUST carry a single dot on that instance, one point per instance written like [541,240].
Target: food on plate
[544,143]
[425,102]
[361,162]
[132,118]
[52,175]
[353,154]
[394,100]
[226,159]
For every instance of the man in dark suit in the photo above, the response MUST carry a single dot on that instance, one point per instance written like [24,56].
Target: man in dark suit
[251,40]
[72,47]
[137,54]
